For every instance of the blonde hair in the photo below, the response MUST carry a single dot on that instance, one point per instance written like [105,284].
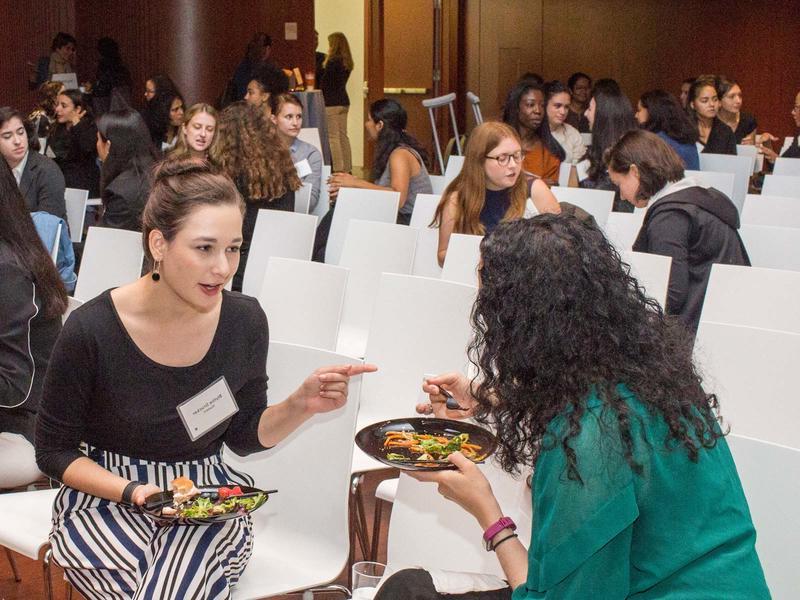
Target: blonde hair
[469,186]
[181,149]
[340,49]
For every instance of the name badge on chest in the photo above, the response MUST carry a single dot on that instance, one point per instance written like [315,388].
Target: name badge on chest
[204,411]
[303,168]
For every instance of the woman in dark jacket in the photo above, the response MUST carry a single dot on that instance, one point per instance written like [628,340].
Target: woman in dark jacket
[32,300]
[694,225]
[127,152]
[716,137]
[660,112]
[337,68]
[77,136]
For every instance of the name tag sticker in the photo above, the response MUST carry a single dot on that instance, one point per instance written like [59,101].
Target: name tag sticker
[303,168]
[204,411]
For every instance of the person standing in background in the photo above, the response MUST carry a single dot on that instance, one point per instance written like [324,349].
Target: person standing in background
[257,54]
[337,68]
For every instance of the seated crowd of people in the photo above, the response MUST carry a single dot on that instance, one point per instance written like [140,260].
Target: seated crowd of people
[581,375]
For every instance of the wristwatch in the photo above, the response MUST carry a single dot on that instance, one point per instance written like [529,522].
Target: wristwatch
[495,528]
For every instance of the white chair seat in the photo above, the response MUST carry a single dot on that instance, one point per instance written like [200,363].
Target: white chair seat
[26,520]
[387,489]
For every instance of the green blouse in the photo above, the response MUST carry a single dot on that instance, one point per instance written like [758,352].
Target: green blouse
[681,530]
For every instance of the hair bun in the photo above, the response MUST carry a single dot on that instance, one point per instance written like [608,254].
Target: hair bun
[181,166]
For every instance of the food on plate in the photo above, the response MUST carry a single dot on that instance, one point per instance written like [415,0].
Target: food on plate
[192,503]
[420,448]
[183,489]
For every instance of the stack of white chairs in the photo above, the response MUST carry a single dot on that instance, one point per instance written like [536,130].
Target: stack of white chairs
[462,259]
[740,166]
[370,248]
[597,203]
[426,263]
[303,301]
[787,166]
[354,203]
[277,233]
[774,211]
[622,228]
[111,258]
[772,247]
[787,186]
[75,201]
[722,182]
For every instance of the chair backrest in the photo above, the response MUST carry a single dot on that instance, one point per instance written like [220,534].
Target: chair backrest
[462,258]
[563,173]
[111,257]
[72,304]
[652,272]
[772,247]
[370,249]
[587,139]
[740,166]
[597,203]
[787,141]
[622,228]
[424,209]
[310,135]
[720,181]
[418,507]
[749,369]
[787,166]
[751,151]
[54,249]
[302,199]
[277,233]
[420,325]
[787,186]
[353,203]
[754,297]
[75,201]
[438,183]
[774,211]
[454,165]
[768,475]
[311,468]
[323,202]
[426,256]
[303,301]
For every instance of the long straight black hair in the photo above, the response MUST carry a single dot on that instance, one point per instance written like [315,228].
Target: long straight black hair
[393,133]
[131,145]
[613,118]
[18,233]
[665,114]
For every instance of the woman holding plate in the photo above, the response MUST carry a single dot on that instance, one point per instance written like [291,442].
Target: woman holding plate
[152,378]
[634,490]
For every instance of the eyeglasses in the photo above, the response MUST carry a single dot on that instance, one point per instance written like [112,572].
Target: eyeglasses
[503,159]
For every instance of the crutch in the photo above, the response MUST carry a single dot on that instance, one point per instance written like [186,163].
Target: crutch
[433,103]
[476,107]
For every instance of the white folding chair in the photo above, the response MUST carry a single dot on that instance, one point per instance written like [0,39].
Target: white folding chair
[597,203]
[426,255]
[353,203]
[768,475]
[301,535]
[310,135]
[772,211]
[462,258]
[754,297]
[787,141]
[749,369]
[563,174]
[787,166]
[111,258]
[622,228]
[740,166]
[277,233]
[787,186]
[722,182]
[302,199]
[75,201]
[303,301]
[438,183]
[72,304]
[454,166]
[772,247]
[370,249]
[424,209]
[323,203]
[652,273]
[751,151]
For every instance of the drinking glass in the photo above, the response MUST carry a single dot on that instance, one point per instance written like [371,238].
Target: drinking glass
[366,576]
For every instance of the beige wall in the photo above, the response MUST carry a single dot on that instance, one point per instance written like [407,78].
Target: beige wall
[347,16]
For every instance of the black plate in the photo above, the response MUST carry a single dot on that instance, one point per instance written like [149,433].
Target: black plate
[370,439]
[209,492]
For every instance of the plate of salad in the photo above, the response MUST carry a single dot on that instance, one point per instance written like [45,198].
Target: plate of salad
[416,444]
[186,504]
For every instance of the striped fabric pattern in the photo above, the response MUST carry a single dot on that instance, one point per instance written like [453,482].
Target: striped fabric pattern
[110,551]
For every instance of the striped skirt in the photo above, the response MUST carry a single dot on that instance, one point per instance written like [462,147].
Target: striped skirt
[110,551]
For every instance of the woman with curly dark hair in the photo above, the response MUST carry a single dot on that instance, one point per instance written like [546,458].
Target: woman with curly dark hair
[587,381]
[251,153]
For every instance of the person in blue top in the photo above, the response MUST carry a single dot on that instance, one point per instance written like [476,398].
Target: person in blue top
[585,379]
[660,112]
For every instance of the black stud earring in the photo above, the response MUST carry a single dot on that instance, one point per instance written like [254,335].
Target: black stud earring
[155,274]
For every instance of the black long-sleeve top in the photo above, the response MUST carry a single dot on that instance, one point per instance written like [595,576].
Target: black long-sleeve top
[79,161]
[721,139]
[102,389]
[26,341]
[334,83]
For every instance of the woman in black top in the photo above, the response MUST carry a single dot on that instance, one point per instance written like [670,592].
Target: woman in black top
[32,300]
[163,110]
[716,137]
[336,71]
[124,364]
[77,130]
[125,147]
[742,124]
[251,153]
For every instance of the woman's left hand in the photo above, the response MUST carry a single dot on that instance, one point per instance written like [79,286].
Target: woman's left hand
[326,388]
[467,486]
[340,180]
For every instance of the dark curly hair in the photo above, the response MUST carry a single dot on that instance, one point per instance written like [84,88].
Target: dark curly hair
[559,314]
